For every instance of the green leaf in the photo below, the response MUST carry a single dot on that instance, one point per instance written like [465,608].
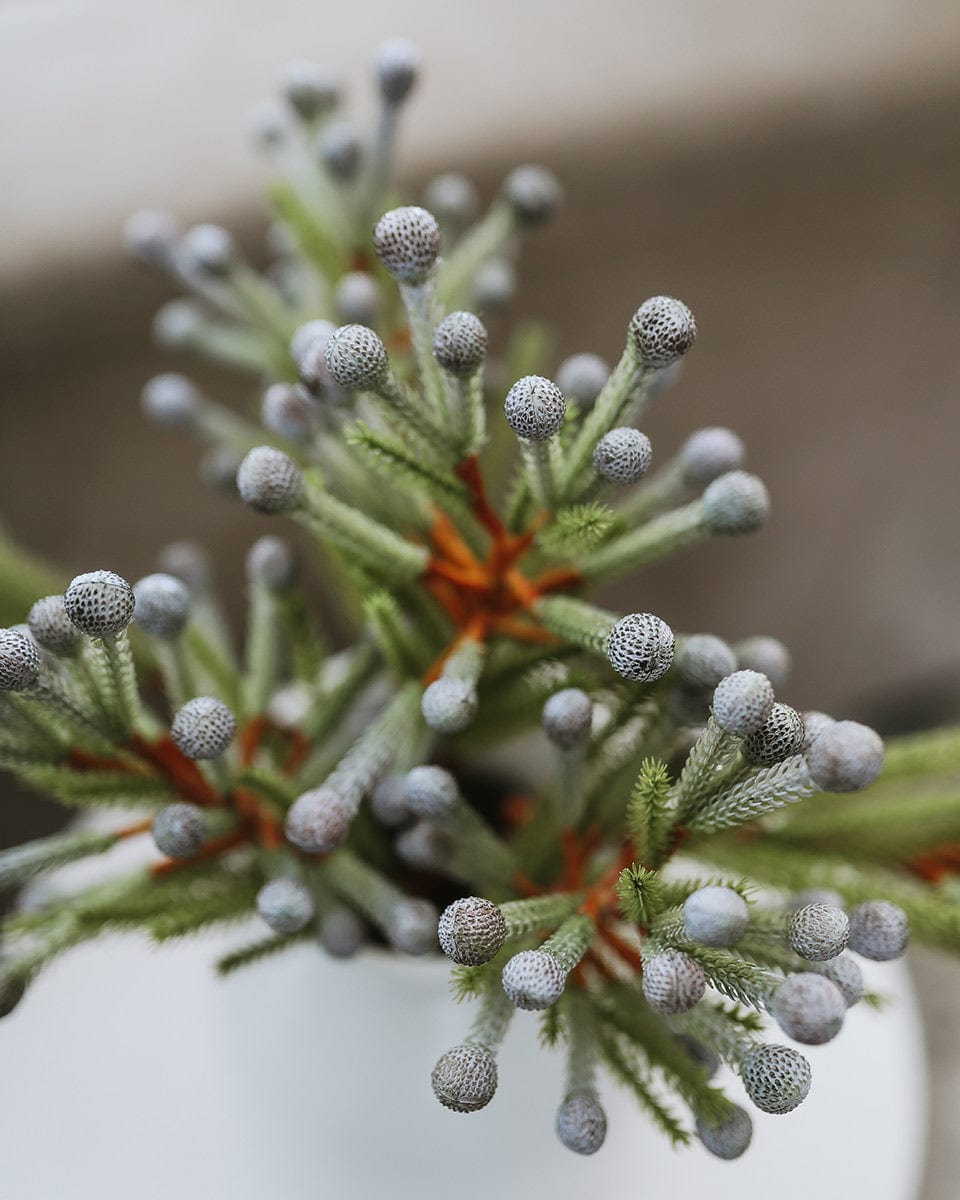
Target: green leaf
[648,820]
[576,529]
[255,952]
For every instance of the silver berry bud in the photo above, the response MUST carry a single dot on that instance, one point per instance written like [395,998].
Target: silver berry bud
[780,736]
[879,930]
[845,757]
[430,792]
[716,916]
[581,378]
[494,286]
[412,927]
[452,197]
[768,655]
[208,250]
[709,453]
[663,330]
[673,982]
[846,974]
[19,661]
[777,1078]
[387,801]
[203,728]
[269,481]
[357,298]
[737,503]
[581,1123]
[534,979]
[312,335]
[424,846]
[449,705]
[310,89]
[471,931]
[318,821]
[818,931]
[535,408]
[702,660]
[809,1008]
[704,1056]
[623,455]
[162,605]
[100,603]
[52,629]
[179,830]
[742,702]
[534,194]
[397,67]
[407,242]
[465,1078]
[356,358]
[151,236]
[640,647]
[342,933]
[171,401]
[272,562]
[286,905]
[460,344]
[729,1137]
[814,723]
[567,717]
[190,563]
[289,411]
[177,324]
[339,150]
[218,469]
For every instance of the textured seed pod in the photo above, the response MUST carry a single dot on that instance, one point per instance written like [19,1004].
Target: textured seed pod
[424,846]
[52,629]
[179,830]
[356,358]
[151,236]
[170,401]
[407,242]
[663,330]
[768,655]
[465,1078]
[736,503]
[189,563]
[342,933]
[218,469]
[452,197]
[162,605]
[818,931]
[879,930]
[19,660]
[709,453]
[640,647]
[567,717]
[289,411]
[387,801]
[777,1078]
[99,603]
[269,481]
[815,896]
[780,736]
[339,150]
[716,916]
[728,1138]
[533,193]
[845,757]
[702,660]
[449,705]
[809,1008]
[285,905]
[704,1056]
[310,89]
[460,344]
[12,989]
[177,324]
[203,728]
[623,455]
[357,298]
[397,66]
[272,562]
[581,378]
[581,1123]
[814,723]
[494,286]
[535,408]
[471,931]
[430,792]
[673,982]
[533,979]
[412,927]
[318,821]
[742,702]
[208,250]
[307,336]
[846,974]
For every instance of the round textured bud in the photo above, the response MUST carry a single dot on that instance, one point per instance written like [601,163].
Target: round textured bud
[269,481]
[272,562]
[177,324]
[151,236]
[203,728]
[449,705]
[190,563]
[815,896]
[452,197]
[778,737]
[663,330]
[534,979]
[879,930]
[430,792]
[708,454]
[52,628]
[424,846]
[412,927]
[357,298]
[471,931]
[179,830]
[704,1056]
[387,801]
[533,193]
[716,916]
[702,660]
[768,655]
[814,723]
[100,603]
[465,1078]
[407,242]
[342,933]
[460,344]
[846,974]
[162,605]
[581,1123]
[494,286]
[568,717]
[396,66]
[285,905]
[742,702]
[809,1008]
[623,455]
[310,89]
[307,337]
[19,661]
[729,1137]
[356,358]
[818,931]
[640,647]
[289,411]
[218,469]
[171,401]
[845,757]
[777,1078]
[339,150]
[535,408]
[673,982]
[736,503]
[208,250]
[318,821]
[581,377]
